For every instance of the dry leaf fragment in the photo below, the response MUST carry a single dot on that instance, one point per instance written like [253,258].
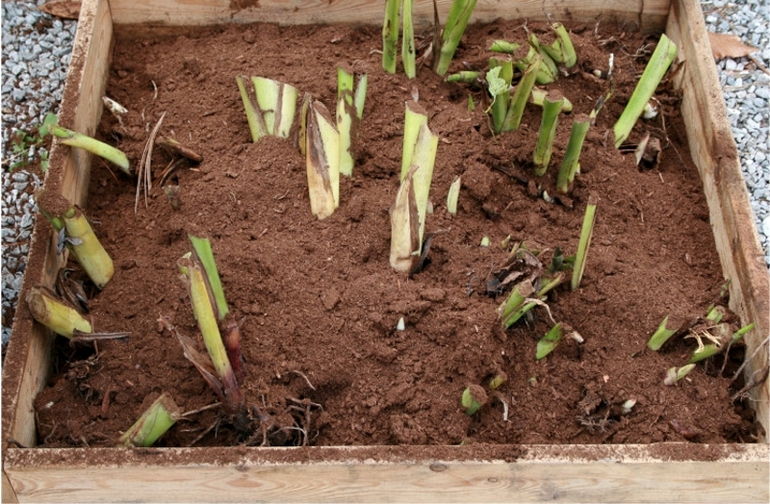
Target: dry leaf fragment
[724,45]
[67,9]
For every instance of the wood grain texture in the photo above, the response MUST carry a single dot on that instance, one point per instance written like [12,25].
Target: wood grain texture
[649,14]
[714,152]
[632,474]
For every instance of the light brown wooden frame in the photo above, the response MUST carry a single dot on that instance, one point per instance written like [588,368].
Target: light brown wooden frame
[602,473]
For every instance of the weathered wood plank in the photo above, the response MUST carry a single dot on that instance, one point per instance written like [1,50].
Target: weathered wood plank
[632,473]
[714,152]
[649,14]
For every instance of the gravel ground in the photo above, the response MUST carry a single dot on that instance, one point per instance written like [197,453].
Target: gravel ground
[36,51]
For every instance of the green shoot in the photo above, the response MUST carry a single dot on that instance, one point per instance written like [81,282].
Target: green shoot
[485,241]
[322,147]
[407,40]
[420,146]
[453,196]
[86,248]
[154,422]
[278,103]
[459,15]
[498,80]
[465,76]
[497,380]
[390,35]
[350,110]
[203,253]
[515,301]
[548,342]
[674,374]
[585,241]
[257,125]
[225,383]
[85,142]
[503,46]
[550,119]
[571,163]
[521,95]
[561,50]
[474,397]
[661,335]
[62,319]
[405,245]
[656,68]
[538,98]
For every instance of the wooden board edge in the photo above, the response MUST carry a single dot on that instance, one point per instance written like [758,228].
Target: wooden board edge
[68,174]
[714,152]
[8,494]
[627,473]
[648,14]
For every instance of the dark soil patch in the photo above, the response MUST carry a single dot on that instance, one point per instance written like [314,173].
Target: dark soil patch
[319,300]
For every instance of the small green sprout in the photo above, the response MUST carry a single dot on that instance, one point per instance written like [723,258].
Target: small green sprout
[474,397]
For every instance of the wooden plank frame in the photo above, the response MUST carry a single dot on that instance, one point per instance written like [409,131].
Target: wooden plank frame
[526,473]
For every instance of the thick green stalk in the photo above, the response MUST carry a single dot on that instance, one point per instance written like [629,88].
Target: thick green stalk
[585,242]
[407,40]
[516,299]
[55,315]
[499,86]
[538,98]
[414,118]
[424,157]
[459,15]
[548,342]
[660,336]
[465,76]
[359,98]
[390,35]
[346,115]
[322,160]
[561,50]
[550,120]
[405,244]
[571,163]
[86,248]
[205,254]
[154,422]
[521,95]
[257,125]
[656,68]
[278,103]
[94,146]
[503,46]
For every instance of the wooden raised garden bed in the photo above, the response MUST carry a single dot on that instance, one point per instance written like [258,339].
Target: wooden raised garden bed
[656,472]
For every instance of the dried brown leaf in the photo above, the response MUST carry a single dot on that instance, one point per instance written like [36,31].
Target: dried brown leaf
[67,9]
[724,45]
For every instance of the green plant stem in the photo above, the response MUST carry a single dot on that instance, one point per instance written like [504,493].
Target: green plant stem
[550,120]
[278,103]
[55,315]
[561,51]
[94,146]
[660,336]
[571,163]
[390,35]
[154,422]
[656,68]
[503,46]
[516,299]
[585,241]
[407,40]
[459,14]
[521,95]
[86,248]
[346,116]
[405,245]
[254,117]
[501,97]
[548,342]
[538,98]
[205,255]
[359,97]
[453,196]
[465,76]
[322,160]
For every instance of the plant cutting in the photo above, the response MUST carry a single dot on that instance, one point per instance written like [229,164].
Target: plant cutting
[585,241]
[473,398]
[537,97]
[570,165]
[275,107]
[200,274]
[552,107]
[661,335]
[350,110]
[521,94]
[390,35]
[675,374]
[656,68]
[548,342]
[562,50]
[59,317]
[154,422]
[459,14]
[85,142]
[410,210]
[498,80]
[322,157]
[407,40]
[453,196]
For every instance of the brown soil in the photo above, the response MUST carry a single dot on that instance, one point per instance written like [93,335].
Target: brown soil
[318,299]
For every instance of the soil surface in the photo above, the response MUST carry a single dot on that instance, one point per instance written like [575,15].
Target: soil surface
[319,303]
